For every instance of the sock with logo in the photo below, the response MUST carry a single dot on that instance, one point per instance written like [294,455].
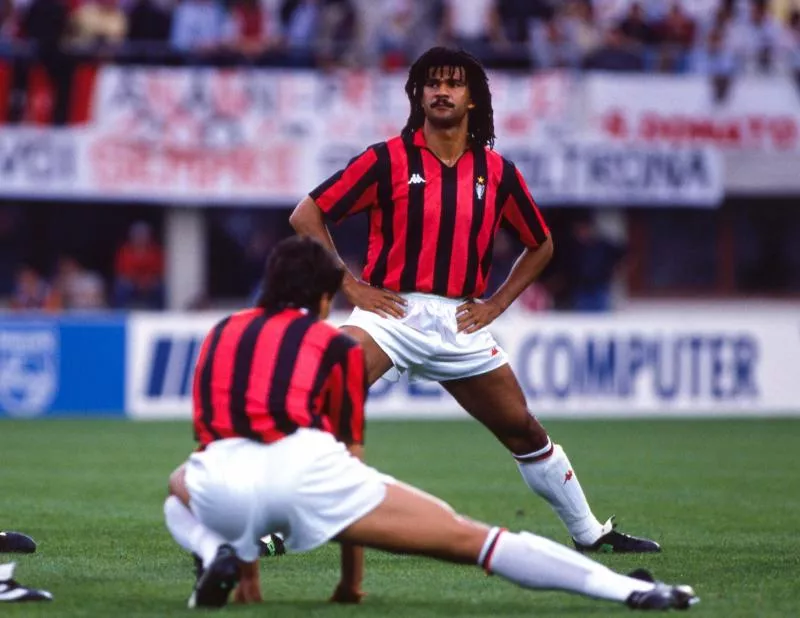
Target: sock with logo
[189,532]
[533,561]
[549,473]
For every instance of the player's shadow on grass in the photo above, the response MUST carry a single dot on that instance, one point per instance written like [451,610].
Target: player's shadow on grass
[388,606]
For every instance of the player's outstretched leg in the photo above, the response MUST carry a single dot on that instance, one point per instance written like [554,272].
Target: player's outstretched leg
[496,400]
[12,591]
[410,521]
[17,543]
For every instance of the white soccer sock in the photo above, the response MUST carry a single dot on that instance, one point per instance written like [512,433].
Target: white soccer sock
[532,561]
[552,477]
[189,532]
[7,571]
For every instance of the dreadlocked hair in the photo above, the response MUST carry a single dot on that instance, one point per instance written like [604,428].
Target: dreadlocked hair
[481,118]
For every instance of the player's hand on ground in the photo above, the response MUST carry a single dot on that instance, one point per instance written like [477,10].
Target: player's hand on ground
[473,315]
[347,595]
[246,594]
[380,301]
[249,588]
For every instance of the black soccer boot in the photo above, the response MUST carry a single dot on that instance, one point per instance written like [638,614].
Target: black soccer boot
[217,581]
[663,597]
[17,543]
[618,543]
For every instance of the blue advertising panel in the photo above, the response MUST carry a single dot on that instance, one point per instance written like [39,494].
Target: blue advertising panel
[62,366]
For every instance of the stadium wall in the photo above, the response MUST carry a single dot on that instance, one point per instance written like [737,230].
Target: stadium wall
[628,364]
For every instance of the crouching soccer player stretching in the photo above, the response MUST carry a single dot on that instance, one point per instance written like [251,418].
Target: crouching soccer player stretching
[279,413]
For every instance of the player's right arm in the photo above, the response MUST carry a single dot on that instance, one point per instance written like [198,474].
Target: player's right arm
[348,381]
[348,192]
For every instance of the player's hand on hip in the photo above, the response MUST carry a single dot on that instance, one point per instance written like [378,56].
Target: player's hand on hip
[383,302]
[473,315]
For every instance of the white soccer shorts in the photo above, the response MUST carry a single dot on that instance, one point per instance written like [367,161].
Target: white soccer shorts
[425,341]
[307,487]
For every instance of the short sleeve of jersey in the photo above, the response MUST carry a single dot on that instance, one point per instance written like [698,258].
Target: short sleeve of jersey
[520,211]
[347,388]
[351,189]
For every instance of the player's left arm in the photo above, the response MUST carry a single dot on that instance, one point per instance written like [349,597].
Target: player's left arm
[522,214]
[346,412]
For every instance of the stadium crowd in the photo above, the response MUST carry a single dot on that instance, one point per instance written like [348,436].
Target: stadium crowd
[712,36]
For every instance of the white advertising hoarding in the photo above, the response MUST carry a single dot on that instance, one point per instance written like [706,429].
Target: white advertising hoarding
[655,364]
[757,115]
[266,138]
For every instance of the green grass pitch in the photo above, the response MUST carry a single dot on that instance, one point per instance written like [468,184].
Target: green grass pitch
[722,497]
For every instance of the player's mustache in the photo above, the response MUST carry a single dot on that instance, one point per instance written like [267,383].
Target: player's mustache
[442,103]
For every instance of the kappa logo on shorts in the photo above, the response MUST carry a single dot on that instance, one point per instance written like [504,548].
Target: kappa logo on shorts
[416,179]
[495,351]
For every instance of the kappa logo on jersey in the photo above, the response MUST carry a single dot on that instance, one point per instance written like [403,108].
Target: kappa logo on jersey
[171,366]
[416,179]
[28,369]
[480,187]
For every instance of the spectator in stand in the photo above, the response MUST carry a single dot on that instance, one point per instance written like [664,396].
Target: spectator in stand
[98,24]
[44,24]
[639,33]
[77,287]
[614,55]
[254,29]
[337,28]
[581,23]
[517,16]
[592,260]
[762,38]
[8,24]
[31,291]
[149,21]
[716,57]
[676,34]
[199,27]
[13,245]
[636,27]
[473,25]
[300,23]
[139,270]
[794,44]
[396,33]
[552,44]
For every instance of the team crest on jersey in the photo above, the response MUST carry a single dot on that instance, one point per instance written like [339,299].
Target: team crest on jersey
[480,187]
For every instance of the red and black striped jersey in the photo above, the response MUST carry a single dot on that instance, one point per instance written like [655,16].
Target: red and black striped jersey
[431,227]
[262,376]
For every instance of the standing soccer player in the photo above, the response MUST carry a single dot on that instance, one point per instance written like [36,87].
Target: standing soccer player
[278,393]
[435,196]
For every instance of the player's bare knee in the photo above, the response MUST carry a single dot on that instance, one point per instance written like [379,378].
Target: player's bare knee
[177,484]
